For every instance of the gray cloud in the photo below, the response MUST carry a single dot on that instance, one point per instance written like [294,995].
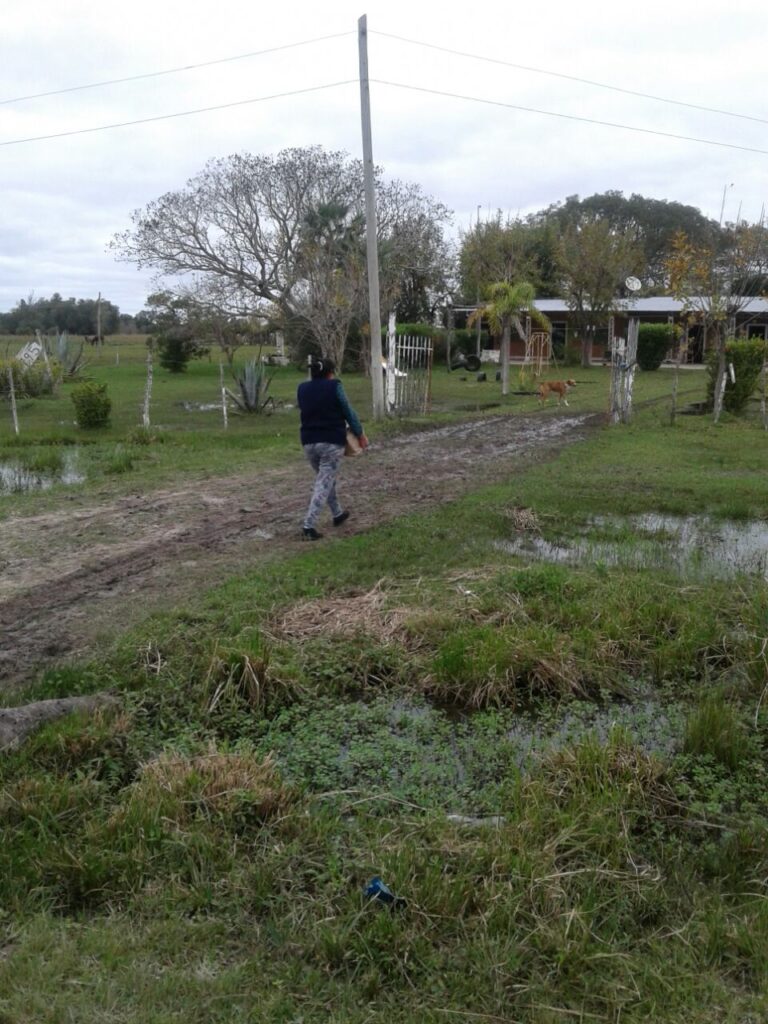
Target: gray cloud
[62,200]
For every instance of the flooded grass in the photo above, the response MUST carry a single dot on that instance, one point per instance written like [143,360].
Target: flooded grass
[39,470]
[692,546]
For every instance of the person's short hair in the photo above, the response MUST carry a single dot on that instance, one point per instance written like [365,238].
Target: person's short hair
[321,368]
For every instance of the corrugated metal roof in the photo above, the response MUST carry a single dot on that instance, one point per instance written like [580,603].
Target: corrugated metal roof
[650,304]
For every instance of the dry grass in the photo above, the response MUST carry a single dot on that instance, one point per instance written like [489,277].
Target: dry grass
[524,520]
[346,617]
[214,783]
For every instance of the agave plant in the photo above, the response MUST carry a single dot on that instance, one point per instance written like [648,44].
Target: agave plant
[70,358]
[253,382]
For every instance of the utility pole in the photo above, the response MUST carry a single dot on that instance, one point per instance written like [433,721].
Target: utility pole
[374,314]
[478,347]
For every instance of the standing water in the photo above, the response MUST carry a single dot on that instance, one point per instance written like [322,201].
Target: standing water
[40,474]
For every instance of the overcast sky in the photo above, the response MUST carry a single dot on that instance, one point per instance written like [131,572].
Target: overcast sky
[64,198]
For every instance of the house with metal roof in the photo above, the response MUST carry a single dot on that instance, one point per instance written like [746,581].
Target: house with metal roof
[751,322]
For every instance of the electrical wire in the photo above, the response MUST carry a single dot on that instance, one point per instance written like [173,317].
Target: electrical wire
[571,78]
[174,71]
[571,117]
[182,113]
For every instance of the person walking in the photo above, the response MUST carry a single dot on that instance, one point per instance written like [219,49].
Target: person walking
[325,414]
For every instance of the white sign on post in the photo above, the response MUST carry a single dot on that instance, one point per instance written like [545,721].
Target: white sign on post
[30,353]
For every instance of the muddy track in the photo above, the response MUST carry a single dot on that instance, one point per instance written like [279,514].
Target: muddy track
[74,578]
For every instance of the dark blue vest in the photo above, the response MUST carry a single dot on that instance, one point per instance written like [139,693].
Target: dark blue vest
[322,417]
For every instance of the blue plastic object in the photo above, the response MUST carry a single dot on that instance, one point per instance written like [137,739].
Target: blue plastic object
[378,890]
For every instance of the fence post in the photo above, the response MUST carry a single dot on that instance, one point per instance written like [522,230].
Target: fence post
[13,401]
[223,395]
[147,390]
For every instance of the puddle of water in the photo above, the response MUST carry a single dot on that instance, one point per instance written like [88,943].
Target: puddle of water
[17,479]
[692,545]
[654,729]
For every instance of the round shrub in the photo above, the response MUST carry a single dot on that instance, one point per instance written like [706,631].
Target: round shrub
[653,343]
[92,405]
[747,358]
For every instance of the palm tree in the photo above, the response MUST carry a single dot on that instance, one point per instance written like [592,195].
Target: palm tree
[506,304]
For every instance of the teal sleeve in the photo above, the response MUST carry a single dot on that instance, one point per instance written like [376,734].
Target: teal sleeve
[349,413]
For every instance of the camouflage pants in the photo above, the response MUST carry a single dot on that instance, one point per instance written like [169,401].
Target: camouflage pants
[324,458]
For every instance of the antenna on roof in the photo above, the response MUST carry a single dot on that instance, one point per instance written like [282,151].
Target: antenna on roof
[633,284]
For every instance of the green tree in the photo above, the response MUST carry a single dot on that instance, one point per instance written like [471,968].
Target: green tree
[330,262]
[508,251]
[506,305]
[651,224]
[713,282]
[593,262]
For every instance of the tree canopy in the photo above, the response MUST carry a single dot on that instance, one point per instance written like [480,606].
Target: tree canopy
[78,316]
[648,224]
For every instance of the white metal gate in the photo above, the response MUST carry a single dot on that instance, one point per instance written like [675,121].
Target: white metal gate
[408,372]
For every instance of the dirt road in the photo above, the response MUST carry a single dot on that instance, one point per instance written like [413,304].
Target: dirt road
[75,578]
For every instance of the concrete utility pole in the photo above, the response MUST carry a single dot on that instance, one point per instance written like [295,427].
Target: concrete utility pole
[374,315]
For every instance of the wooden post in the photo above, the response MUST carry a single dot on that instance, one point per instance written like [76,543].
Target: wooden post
[147,390]
[223,395]
[391,364]
[616,360]
[631,366]
[98,320]
[374,312]
[762,397]
[13,401]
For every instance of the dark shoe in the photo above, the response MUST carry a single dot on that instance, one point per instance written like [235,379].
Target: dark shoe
[342,517]
[310,533]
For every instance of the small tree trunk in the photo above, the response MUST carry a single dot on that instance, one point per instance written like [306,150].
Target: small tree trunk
[505,339]
[720,384]
[13,401]
[676,384]
[449,338]
[586,351]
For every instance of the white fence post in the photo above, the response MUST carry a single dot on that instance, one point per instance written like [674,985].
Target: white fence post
[13,401]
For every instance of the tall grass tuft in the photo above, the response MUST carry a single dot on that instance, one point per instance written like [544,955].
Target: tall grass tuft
[714,729]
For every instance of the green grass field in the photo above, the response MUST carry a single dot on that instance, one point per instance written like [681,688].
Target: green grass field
[199,852]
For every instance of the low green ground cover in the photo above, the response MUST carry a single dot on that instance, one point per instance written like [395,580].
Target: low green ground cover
[199,853]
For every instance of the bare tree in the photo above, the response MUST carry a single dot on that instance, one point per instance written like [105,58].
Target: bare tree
[238,230]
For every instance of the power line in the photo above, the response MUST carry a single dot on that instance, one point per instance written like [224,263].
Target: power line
[182,113]
[174,71]
[572,117]
[572,78]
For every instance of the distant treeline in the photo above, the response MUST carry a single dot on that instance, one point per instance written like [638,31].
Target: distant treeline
[77,316]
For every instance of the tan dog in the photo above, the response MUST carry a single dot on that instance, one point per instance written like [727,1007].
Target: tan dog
[555,387]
